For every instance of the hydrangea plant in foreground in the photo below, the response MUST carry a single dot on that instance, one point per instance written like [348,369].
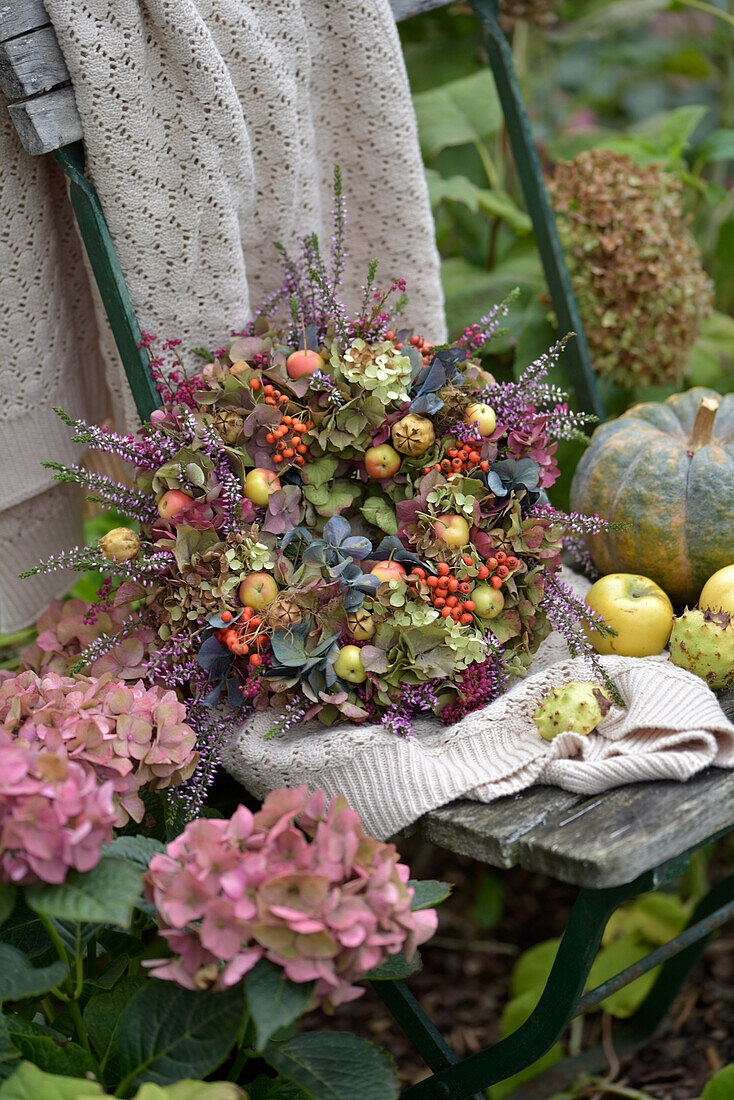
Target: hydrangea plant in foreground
[297,883]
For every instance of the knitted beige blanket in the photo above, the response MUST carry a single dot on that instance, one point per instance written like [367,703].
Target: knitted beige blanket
[212,128]
[671,727]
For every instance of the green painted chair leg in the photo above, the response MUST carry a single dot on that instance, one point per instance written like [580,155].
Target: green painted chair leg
[112,288]
[539,207]
[552,1014]
[674,972]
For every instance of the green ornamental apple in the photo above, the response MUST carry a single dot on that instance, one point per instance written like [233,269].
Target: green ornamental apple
[258,590]
[259,484]
[348,665]
[381,462]
[488,601]
[453,530]
[637,609]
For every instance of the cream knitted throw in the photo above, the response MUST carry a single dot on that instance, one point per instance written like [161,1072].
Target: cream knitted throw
[671,727]
[211,128]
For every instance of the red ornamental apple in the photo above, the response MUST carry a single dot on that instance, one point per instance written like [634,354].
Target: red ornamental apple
[388,571]
[303,362]
[453,530]
[172,502]
[258,590]
[259,484]
[381,462]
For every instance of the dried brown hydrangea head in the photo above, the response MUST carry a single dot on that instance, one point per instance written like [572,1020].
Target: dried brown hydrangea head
[541,13]
[635,268]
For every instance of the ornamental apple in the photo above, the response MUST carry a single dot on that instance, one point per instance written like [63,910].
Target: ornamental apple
[388,571]
[453,530]
[637,609]
[348,665]
[259,484]
[718,592]
[488,601]
[172,502]
[484,416]
[303,362]
[258,590]
[381,462]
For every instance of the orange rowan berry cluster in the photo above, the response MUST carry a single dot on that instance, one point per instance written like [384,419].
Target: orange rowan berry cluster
[286,438]
[246,637]
[459,460]
[418,342]
[450,593]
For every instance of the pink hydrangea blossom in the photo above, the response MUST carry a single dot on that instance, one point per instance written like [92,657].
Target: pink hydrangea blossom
[298,883]
[65,629]
[54,814]
[126,733]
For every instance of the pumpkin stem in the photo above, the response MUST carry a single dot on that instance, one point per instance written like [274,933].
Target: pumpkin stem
[703,425]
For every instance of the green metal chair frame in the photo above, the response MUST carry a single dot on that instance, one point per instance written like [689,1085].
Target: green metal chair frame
[563,997]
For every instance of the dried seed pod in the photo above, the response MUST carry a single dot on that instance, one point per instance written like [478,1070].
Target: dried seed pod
[120,544]
[413,435]
[361,624]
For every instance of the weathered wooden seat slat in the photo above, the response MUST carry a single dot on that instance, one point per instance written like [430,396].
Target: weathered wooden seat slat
[594,842]
[35,80]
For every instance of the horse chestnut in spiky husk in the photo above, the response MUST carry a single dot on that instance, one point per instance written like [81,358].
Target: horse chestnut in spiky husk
[575,708]
[703,643]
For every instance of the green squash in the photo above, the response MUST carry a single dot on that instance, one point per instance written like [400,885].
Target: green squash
[667,470]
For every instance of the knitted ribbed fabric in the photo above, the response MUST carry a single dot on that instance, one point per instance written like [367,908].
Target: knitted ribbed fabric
[212,128]
[671,728]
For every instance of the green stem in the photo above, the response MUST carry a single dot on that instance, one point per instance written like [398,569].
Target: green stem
[79,964]
[239,1064]
[55,938]
[710,9]
[489,166]
[81,1031]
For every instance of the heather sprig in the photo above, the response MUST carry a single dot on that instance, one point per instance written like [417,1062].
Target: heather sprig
[144,568]
[125,499]
[568,613]
[127,447]
[231,488]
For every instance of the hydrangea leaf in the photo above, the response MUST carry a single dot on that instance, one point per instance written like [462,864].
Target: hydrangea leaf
[335,1066]
[167,1033]
[106,894]
[273,1000]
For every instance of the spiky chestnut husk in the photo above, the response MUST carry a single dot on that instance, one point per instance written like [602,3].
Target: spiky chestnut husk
[576,708]
[703,643]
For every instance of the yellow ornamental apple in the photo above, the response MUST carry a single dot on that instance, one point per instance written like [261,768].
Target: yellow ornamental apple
[453,530]
[348,665]
[259,484]
[637,609]
[484,416]
[718,592]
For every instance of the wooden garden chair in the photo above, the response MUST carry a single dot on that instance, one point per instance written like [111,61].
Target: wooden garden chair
[612,846]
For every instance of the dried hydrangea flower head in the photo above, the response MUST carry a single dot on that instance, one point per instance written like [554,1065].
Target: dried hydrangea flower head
[635,268]
[298,883]
[54,814]
[378,368]
[124,734]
